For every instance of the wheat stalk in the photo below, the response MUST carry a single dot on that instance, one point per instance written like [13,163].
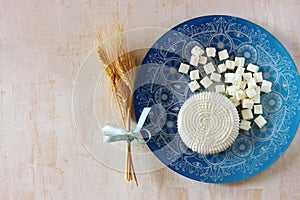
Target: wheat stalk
[119,67]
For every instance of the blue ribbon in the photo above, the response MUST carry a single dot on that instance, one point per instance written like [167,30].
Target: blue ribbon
[114,134]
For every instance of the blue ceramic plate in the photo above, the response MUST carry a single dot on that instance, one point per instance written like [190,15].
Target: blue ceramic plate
[160,86]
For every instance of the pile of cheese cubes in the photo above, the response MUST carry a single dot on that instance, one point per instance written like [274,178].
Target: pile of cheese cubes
[242,85]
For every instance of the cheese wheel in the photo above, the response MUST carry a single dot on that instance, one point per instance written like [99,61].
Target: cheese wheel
[208,123]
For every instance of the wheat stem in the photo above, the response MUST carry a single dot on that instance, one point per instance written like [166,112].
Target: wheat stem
[119,67]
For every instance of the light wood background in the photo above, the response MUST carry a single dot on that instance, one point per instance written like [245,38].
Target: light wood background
[42,46]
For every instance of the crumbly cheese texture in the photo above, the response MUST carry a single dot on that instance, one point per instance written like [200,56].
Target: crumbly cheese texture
[223,55]
[202,60]
[251,83]
[245,125]
[215,77]
[231,90]
[242,84]
[194,75]
[256,98]
[240,94]
[221,68]
[239,61]
[197,51]
[252,68]
[258,77]
[210,52]
[247,76]
[251,92]
[209,68]
[194,85]
[194,60]
[208,123]
[247,103]
[235,101]
[236,79]
[184,68]
[230,65]
[206,82]
[240,70]
[260,121]
[266,86]
[220,89]
[258,109]
[228,77]
[247,114]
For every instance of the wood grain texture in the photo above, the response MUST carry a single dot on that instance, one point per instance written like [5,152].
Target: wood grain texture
[42,46]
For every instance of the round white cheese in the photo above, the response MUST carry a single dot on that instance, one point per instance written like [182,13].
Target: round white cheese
[208,123]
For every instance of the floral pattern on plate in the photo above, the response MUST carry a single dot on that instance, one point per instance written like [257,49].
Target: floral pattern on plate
[163,88]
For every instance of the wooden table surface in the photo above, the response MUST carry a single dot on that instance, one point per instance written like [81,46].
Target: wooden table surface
[42,46]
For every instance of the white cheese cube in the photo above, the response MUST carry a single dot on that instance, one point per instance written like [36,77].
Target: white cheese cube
[247,103]
[223,55]
[197,51]
[258,109]
[251,92]
[247,114]
[230,64]
[236,79]
[251,83]
[220,88]
[245,125]
[256,98]
[257,89]
[228,77]
[235,101]
[194,75]
[240,71]
[194,60]
[240,94]
[258,77]
[239,61]
[260,121]
[202,60]
[231,90]
[184,68]
[252,68]
[215,77]
[221,68]
[209,68]
[210,52]
[194,85]
[206,82]
[247,76]
[243,84]
[266,86]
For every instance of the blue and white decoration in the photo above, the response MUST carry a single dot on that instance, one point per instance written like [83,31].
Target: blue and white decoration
[160,86]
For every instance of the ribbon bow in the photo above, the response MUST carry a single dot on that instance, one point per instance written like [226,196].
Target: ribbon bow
[114,134]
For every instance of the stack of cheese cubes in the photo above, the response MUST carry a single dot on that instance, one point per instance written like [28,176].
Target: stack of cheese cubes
[241,84]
